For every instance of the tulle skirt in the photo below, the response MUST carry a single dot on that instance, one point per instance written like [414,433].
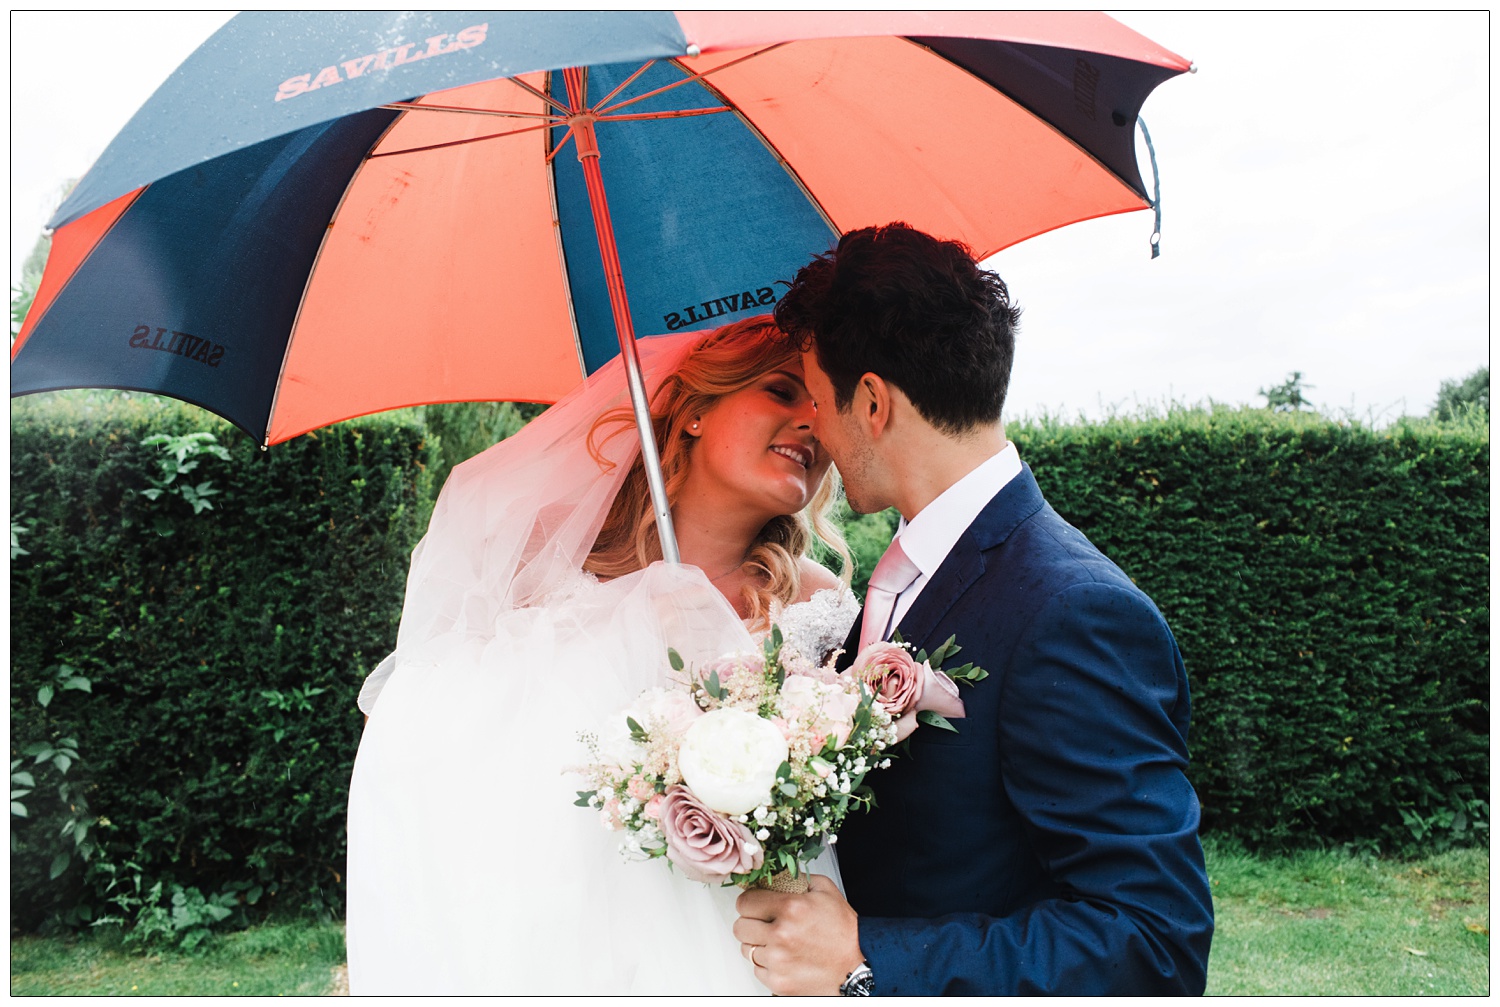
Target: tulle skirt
[470,868]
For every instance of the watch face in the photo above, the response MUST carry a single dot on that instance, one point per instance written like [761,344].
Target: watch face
[861,982]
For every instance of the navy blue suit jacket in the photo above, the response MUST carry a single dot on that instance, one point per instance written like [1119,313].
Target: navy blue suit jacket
[1051,846]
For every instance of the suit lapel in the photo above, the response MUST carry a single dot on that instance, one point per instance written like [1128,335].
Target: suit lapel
[960,569]
[1017,500]
[851,643]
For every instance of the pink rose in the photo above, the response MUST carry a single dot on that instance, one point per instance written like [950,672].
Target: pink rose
[640,789]
[904,688]
[705,845]
[731,666]
[671,711]
[653,806]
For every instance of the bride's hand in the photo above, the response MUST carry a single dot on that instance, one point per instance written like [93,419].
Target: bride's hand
[801,945]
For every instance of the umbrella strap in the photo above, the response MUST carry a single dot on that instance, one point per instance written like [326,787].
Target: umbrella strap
[1156,189]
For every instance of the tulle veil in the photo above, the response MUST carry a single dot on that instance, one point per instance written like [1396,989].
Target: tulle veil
[513,525]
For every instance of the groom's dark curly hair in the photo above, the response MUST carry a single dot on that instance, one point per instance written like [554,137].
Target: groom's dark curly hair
[914,309]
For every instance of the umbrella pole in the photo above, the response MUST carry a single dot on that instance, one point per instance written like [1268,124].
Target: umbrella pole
[582,125]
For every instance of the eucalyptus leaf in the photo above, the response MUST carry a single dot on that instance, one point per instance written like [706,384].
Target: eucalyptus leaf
[675,659]
[935,720]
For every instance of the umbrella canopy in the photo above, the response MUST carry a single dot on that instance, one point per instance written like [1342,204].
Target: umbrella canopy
[326,214]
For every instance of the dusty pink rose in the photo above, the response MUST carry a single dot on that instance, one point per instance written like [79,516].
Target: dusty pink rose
[904,688]
[705,845]
[892,674]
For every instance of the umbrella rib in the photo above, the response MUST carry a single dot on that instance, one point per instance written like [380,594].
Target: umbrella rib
[405,106]
[563,109]
[568,133]
[692,75]
[455,143]
[624,84]
[673,114]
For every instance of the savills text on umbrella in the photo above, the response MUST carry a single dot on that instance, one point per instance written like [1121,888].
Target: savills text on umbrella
[180,343]
[718,306]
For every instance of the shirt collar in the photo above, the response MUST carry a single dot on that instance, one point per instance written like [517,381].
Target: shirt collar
[931,535]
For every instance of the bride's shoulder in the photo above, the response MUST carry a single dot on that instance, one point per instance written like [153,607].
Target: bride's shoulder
[815,578]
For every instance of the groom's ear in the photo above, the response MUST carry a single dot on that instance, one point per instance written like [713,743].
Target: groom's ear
[873,403]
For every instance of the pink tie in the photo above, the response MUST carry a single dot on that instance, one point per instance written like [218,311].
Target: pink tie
[893,574]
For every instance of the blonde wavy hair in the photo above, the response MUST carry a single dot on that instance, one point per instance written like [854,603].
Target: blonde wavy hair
[727,360]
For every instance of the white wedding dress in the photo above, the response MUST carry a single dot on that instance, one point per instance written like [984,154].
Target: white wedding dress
[470,869]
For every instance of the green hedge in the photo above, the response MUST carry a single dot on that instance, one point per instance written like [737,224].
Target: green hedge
[1328,584]
[223,649]
[1329,587]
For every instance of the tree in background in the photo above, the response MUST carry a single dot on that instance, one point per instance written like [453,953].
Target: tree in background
[1457,397]
[1287,397]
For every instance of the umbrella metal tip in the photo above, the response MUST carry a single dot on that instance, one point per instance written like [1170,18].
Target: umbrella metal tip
[693,50]
[1192,68]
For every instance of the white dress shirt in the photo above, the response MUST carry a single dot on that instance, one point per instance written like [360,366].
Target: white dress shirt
[930,536]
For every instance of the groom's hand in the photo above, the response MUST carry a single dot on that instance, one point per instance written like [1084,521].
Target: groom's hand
[801,945]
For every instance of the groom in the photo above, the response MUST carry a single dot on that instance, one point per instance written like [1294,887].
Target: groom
[1051,846]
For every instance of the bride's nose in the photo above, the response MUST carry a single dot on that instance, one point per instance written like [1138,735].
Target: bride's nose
[806,412]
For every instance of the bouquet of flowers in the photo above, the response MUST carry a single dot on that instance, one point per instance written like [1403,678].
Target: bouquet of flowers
[741,770]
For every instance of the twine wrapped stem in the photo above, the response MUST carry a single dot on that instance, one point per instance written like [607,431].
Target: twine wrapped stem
[785,881]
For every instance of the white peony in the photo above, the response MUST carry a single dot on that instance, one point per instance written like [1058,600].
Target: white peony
[729,760]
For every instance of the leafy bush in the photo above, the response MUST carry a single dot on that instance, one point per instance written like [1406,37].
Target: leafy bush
[1329,587]
[225,644]
[1328,584]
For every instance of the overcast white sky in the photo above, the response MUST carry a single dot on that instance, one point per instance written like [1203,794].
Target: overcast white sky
[1325,201]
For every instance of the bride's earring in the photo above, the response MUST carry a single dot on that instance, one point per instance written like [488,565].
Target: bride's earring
[694,426]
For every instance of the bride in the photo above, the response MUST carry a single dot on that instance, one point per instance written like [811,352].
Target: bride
[536,608]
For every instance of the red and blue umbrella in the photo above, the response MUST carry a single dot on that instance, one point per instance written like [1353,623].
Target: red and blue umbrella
[326,214]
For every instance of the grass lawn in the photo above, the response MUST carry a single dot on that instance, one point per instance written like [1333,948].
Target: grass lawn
[1329,924]
[1313,923]
[274,959]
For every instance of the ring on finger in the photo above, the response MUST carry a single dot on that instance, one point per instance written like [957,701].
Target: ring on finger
[752,956]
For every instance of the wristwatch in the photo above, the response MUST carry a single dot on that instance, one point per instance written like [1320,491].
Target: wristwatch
[859,983]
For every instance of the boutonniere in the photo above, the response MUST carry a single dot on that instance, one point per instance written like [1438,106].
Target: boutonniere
[913,686]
